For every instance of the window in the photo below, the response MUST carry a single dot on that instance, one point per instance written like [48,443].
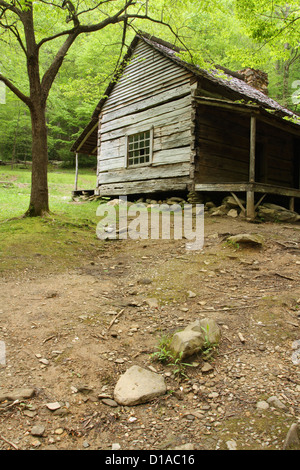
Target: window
[139,148]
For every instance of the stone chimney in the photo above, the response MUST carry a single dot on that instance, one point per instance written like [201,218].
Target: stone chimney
[255,78]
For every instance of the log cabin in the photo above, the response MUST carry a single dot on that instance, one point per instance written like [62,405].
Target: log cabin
[167,126]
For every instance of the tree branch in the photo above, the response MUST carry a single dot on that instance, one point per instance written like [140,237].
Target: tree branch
[51,73]
[90,28]
[116,18]
[15,90]
[67,32]
[14,30]
[163,23]
[9,6]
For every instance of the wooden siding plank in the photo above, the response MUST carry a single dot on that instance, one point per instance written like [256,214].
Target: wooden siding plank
[180,139]
[172,156]
[145,187]
[142,104]
[133,74]
[162,157]
[114,163]
[144,173]
[145,93]
[154,84]
[147,78]
[158,121]
[147,115]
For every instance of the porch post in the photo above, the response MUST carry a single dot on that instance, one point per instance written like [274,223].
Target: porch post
[76,172]
[250,194]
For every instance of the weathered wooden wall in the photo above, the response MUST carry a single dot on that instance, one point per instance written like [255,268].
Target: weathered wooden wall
[152,92]
[222,145]
[223,148]
[276,151]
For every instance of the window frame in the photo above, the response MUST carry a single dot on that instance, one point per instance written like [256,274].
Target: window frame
[127,156]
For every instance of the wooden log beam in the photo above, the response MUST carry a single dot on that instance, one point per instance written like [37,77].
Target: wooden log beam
[250,212]
[76,172]
[252,149]
[238,202]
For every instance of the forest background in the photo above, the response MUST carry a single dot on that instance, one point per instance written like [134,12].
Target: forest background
[262,34]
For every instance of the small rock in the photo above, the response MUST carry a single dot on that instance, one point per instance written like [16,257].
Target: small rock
[38,430]
[44,361]
[132,419]
[152,303]
[59,431]
[18,394]
[231,445]
[232,213]
[53,406]
[2,354]
[208,329]
[137,386]
[231,203]
[292,439]
[247,239]
[241,337]
[296,357]
[29,413]
[262,405]
[207,367]
[185,343]
[189,417]
[192,339]
[84,389]
[274,401]
[109,402]
[145,281]
[183,447]
[191,294]
[115,447]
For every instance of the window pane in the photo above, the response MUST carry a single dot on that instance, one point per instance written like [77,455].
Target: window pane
[139,148]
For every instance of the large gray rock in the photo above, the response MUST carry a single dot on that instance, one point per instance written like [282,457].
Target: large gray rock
[246,239]
[18,394]
[274,213]
[208,328]
[193,338]
[231,203]
[137,386]
[185,343]
[292,440]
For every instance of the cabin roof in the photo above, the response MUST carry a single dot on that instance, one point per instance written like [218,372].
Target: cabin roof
[222,78]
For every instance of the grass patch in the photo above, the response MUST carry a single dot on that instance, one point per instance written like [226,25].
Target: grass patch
[53,242]
[14,199]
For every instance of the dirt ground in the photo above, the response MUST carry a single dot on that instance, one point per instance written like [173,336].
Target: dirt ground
[60,342]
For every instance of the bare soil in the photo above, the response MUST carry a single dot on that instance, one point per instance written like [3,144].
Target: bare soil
[60,341]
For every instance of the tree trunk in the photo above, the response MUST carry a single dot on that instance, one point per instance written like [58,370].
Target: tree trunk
[39,199]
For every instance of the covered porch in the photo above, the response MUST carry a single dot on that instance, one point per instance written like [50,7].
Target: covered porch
[242,148]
